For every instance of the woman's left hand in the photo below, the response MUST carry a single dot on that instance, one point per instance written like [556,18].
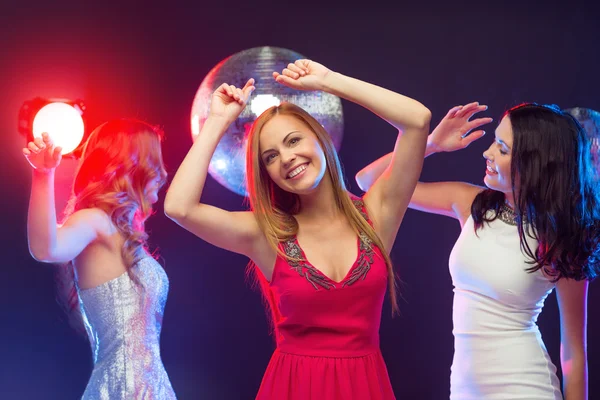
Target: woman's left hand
[303,75]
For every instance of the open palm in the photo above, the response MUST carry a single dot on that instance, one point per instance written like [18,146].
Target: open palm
[454,131]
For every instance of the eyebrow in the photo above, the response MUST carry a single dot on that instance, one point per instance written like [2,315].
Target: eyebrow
[503,143]
[283,141]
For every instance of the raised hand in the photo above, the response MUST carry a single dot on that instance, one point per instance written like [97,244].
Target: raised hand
[42,154]
[229,101]
[452,133]
[303,75]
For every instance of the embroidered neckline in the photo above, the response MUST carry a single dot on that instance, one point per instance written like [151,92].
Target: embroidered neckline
[358,270]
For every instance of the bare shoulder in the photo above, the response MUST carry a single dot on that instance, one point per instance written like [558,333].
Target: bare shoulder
[94,218]
[465,194]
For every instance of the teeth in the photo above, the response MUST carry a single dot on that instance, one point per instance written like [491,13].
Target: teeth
[296,171]
[490,169]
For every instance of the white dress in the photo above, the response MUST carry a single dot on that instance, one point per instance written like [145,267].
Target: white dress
[498,348]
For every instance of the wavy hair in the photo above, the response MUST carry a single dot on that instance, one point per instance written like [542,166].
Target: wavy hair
[119,163]
[556,195]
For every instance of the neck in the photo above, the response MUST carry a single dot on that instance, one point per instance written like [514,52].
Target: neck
[320,203]
[509,199]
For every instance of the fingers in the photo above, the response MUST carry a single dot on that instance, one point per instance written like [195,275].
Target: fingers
[26,152]
[452,112]
[225,89]
[297,68]
[476,110]
[33,147]
[476,123]
[57,155]
[47,139]
[39,142]
[285,80]
[249,83]
[237,94]
[471,107]
[472,137]
[303,64]
[248,89]
[292,74]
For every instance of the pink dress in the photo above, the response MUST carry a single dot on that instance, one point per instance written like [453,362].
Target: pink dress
[327,332]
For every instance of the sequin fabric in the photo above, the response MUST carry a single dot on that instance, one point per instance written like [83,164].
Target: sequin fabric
[123,320]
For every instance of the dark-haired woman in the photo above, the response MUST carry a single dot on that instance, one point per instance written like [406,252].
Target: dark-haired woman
[533,229]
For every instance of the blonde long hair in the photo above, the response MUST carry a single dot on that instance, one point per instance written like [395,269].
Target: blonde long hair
[119,161]
[274,208]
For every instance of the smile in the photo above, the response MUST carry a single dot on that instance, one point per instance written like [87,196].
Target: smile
[296,171]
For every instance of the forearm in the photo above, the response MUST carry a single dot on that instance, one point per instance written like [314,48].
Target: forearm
[186,188]
[369,174]
[400,111]
[41,217]
[575,379]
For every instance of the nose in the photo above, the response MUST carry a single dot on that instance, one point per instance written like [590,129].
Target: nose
[488,154]
[288,157]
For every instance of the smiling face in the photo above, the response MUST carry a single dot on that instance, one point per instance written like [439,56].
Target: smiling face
[292,154]
[498,159]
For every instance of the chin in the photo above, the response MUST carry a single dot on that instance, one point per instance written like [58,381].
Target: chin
[495,186]
[304,186]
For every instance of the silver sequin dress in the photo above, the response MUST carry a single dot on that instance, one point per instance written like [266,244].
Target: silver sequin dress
[123,321]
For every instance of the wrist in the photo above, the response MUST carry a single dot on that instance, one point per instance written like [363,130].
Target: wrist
[330,81]
[216,124]
[43,173]
[431,148]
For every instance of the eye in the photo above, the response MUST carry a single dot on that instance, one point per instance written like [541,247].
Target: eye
[501,149]
[269,158]
[294,141]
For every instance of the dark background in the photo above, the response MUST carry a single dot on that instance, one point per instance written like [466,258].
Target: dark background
[147,61]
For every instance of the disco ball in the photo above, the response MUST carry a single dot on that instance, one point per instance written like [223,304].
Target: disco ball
[590,120]
[228,164]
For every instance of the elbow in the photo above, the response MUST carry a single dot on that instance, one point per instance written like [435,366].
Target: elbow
[573,361]
[40,255]
[360,180]
[424,119]
[174,212]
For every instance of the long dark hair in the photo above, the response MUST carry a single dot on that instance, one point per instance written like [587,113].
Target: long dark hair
[556,196]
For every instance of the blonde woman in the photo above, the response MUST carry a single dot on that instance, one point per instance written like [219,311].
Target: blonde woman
[321,253]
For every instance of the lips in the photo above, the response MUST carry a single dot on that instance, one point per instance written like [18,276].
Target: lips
[490,171]
[296,171]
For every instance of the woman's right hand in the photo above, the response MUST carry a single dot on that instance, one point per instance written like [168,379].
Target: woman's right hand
[228,101]
[452,133]
[42,155]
